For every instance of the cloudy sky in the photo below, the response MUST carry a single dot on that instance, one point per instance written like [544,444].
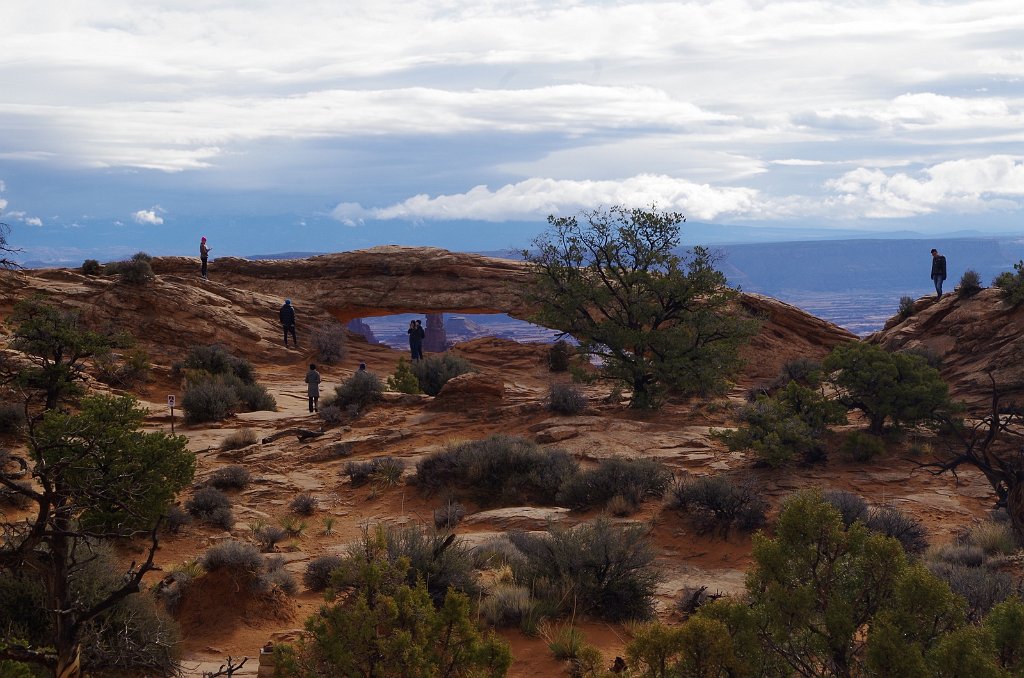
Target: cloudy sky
[274,126]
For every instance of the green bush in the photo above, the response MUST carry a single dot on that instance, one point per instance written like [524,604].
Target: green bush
[438,559]
[906,308]
[1012,284]
[255,397]
[895,387]
[566,399]
[384,624]
[497,471]
[804,371]
[970,283]
[719,503]
[208,400]
[125,370]
[435,371]
[993,538]
[358,391]
[91,267]
[596,568]
[632,479]
[559,356]
[785,427]
[329,343]
[404,380]
[216,359]
[862,447]
[134,271]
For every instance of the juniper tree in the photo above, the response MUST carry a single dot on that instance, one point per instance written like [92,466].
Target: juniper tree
[656,320]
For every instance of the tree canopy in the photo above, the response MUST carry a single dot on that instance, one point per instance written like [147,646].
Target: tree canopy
[657,320]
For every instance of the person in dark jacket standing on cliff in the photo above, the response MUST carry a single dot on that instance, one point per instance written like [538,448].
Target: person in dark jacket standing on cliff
[938,272]
[313,387]
[204,255]
[288,322]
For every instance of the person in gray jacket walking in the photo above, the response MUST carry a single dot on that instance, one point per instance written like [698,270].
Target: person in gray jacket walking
[313,387]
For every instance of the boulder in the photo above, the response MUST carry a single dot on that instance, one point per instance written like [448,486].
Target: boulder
[470,390]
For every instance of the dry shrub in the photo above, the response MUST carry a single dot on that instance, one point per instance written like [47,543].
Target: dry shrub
[719,503]
[234,477]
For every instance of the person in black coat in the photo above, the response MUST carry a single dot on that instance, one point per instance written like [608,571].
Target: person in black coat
[288,322]
[938,272]
[416,335]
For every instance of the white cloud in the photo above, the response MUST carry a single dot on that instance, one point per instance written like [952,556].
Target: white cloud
[3,203]
[538,197]
[148,216]
[972,185]
[33,221]
[3,186]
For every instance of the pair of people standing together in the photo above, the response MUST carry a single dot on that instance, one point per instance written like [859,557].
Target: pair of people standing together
[416,336]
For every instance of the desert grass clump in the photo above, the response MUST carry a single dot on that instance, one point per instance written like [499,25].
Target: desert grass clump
[211,506]
[508,605]
[233,556]
[597,568]
[328,341]
[719,503]
[981,587]
[448,516]
[851,507]
[382,471]
[434,371]
[305,504]
[243,437]
[233,477]
[903,527]
[269,536]
[317,575]
[404,379]
[993,538]
[495,552]
[497,471]
[359,391]
[566,399]
[293,526]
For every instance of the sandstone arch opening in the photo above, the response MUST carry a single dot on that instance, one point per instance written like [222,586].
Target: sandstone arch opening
[445,329]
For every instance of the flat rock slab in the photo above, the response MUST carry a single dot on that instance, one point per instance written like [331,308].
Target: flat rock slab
[519,517]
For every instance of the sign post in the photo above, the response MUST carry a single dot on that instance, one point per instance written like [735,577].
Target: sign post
[170,404]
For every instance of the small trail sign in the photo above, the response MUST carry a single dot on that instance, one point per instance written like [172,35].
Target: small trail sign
[170,404]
